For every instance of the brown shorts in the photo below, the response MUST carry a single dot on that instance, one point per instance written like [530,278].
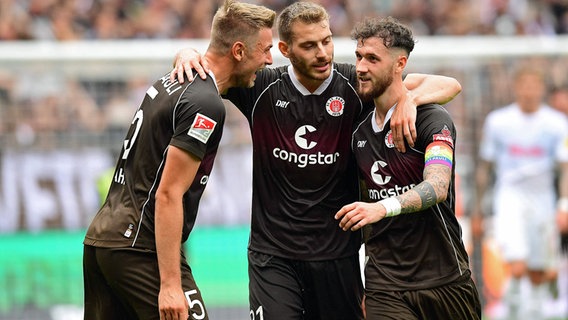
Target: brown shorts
[124,283]
[304,290]
[457,301]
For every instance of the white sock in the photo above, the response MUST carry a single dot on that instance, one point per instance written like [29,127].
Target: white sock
[535,303]
[512,297]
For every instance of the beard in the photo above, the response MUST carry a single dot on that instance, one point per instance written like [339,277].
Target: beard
[304,69]
[244,81]
[379,86]
[245,76]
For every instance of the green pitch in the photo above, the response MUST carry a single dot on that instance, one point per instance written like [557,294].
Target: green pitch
[45,269]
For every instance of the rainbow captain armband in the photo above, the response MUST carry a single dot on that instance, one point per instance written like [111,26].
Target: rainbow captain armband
[439,152]
[392,205]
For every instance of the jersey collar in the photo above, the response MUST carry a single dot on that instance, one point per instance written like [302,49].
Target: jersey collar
[374,123]
[214,80]
[300,87]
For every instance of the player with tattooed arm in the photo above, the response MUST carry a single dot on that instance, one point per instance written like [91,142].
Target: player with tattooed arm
[301,264]
[418,266]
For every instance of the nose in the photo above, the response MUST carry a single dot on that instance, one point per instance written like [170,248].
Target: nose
[321,53]
[269,58]
[360,66]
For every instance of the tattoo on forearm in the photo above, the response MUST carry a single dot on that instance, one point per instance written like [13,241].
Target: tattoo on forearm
[427,194]
[407,205]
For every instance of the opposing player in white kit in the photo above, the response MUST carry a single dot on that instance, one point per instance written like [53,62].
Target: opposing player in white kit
[525,142]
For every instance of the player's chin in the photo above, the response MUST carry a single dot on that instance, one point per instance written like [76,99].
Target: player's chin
[364,94]
[250,84]
[252,80]
[321,75]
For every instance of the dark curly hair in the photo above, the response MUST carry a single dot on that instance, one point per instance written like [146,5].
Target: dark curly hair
[393,33]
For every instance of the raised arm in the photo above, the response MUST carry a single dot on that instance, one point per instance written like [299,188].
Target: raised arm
[432,190]
[422,89]
[431,88]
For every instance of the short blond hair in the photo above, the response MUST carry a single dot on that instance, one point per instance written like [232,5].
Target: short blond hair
[238,21]
[306,12]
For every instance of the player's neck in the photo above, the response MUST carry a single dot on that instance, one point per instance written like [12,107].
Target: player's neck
[222,69]
[389,98]
[529,107]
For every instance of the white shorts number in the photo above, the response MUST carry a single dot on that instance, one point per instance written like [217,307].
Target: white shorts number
[193,303]
[258,312]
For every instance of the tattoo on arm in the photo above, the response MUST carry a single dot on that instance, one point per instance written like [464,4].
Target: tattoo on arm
[408,203]
[432,190]
[427,194]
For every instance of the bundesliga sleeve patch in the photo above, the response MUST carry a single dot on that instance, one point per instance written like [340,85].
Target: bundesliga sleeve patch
[202,128]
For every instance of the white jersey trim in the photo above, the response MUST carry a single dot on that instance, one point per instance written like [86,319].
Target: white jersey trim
[303,89]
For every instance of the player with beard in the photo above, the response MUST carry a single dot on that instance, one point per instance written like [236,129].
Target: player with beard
[133,263]
[301,116]
[418,266]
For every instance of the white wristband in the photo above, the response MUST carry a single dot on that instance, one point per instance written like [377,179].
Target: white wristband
[392,205]
[562,204]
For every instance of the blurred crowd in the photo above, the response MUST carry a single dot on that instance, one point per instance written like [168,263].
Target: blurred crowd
[44,109]
[64,20]
[48,120]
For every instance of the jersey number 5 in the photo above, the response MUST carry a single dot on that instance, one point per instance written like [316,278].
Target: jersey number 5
[195,303]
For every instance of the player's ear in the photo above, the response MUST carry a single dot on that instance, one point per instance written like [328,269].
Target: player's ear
[283,47]
[238,50]
[401,63]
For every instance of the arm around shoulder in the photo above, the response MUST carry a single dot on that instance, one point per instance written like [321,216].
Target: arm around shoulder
[430,88]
